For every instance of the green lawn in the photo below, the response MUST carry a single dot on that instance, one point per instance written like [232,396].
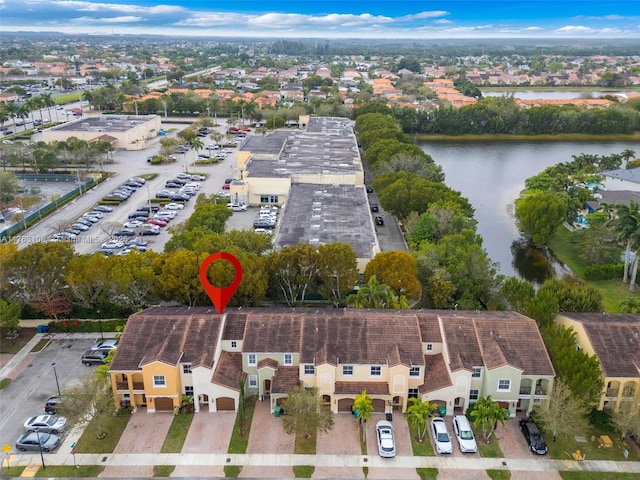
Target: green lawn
[499,474]
[489,450]
[114,426]
[421,449]
[303,471]
[163,470]
[86,471]
[427,473]
[238,442]
[563,447]
[598,476]
[177,433]
[14,346]
[305,446]
[232,471]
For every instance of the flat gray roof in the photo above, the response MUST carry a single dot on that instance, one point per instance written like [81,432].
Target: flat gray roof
[105,123]
[320,214]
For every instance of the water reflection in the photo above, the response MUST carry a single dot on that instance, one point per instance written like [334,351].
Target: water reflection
[536,265]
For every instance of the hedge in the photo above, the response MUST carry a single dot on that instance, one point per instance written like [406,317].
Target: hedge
[604,272]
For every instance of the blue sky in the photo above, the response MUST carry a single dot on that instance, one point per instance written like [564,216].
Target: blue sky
[329,19]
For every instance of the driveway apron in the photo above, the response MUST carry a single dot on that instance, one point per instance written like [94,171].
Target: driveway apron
[342,439]
[403,449]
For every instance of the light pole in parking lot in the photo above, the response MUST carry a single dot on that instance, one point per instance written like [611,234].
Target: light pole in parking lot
[44,467]
[55,375]
[100,323]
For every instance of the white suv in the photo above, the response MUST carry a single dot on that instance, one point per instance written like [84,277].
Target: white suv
[441,437]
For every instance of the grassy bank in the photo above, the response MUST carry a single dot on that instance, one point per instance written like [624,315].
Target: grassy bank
[573,137]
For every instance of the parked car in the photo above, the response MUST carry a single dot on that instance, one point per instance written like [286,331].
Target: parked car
[237,207]
[183,176]
[155,221]
[172,185]
[80,226]
[138,215]
[174,206]
[139,180]
[133,224]
[226,187]
[106,344]
[374,207]
[164,194]
[84,222]
[125,232]
[38,441]
[179,197]
[103,208]
[148,231]
[112,244]
[533,436]
[198,178]
[441,437]
[45,424]
[94,357]
[52,403]
[464,434]
[386,439]
[379,221]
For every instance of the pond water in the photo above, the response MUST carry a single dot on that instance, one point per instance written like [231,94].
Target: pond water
[492,174]
[541,95]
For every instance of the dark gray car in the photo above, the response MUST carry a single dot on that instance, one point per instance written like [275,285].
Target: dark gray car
[29,441]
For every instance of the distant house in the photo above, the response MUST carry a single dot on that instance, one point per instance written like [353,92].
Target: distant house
[447,357]
[622,179]
[615,340]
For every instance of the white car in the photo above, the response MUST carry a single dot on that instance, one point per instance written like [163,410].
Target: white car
[386,439]
[198,178]
[464,434]
[237,207]
[45,424]
[106,344]
[174,206]
[212,147]
[111,244]
[132,224]
[223,194]
[441,437]
[80,226]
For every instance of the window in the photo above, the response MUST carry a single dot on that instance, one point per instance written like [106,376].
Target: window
[413,393]
[252,360]
[477,371]
[473,394]
[268,198]
[288,359]
[504,385]
[376,370]
[159,381]
[188,390]
[429,347]
[414,372]
[253,381]
[347,370]
[234,344]
[186,368]
[309,370]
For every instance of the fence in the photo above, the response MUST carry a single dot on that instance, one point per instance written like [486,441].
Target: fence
[32,218]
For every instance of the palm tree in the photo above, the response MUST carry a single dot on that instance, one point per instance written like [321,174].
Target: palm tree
[363,407]
[377,295]
[627,154]
[486,414]
[627,226]
[418,414]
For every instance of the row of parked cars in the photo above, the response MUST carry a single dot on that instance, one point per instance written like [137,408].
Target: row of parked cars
[82,224]
[267,219]
[124,191]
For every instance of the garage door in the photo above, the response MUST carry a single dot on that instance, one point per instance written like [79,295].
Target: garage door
[225,403]
[164,404]
[345,404]
[378,405]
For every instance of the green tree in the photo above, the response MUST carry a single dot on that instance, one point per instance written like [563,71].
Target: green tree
[538,216]
[9,187]
[293,271]
[578,370]
[627,421]
[418,414]
[88,279]
[10,318]
[363,408]
[376,295]
[573,295]
[306,413]
[486,414]
[564,414]
[132,280]
[517,292]
[543,307]
[177,277]
[627,226]
[337,271]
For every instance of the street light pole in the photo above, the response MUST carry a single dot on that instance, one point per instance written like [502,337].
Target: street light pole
[100,320]
[44,467]
[55,374]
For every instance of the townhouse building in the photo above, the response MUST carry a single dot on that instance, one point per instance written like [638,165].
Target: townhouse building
[615,340]
[447,357]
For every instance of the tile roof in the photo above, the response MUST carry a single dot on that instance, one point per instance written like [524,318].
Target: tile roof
[234,325]
[615,339]
[168,335]
[267,363]
[436,375]
[356,388]
[429,326]
[229,370]
[285,379]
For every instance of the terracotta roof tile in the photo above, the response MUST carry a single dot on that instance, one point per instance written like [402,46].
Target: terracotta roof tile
[615,339]
[436,375]
[267,363]
[229,370]
[234,326]
[285,379]
[356,388]
[429,326]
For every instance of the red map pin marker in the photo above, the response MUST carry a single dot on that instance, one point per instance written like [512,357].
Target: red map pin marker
[220,296]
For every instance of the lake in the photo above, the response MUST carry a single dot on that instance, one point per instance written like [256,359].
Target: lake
[550,95]
[492,174]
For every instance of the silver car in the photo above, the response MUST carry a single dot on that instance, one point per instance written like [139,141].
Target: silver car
[464,434]
[36,441]
[45,424]
[386,439]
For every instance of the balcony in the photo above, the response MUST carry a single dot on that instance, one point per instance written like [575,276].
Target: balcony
[124,386]
[541,390]
[525,391]
[628,393]
[612,392]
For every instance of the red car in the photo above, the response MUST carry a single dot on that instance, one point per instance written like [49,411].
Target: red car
[155,221]
[226,186]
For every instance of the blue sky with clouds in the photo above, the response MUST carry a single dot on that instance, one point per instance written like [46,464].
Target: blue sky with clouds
[329,19]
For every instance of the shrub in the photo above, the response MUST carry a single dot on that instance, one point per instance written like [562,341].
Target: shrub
[604,272]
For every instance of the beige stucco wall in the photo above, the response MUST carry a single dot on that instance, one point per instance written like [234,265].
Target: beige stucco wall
[268,186]
[490,385]
[173,388]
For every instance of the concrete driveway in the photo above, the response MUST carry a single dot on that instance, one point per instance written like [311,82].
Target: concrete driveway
[209,433]
[341,440]
[267,436]
[145,433]
[403,448]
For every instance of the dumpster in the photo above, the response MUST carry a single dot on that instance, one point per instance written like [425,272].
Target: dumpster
[389,416]
[442,410]
[277,410]
[42,328]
